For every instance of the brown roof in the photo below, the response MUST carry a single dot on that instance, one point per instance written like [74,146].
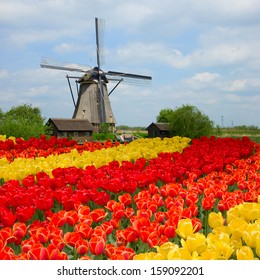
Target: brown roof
[161,126]
[72,124]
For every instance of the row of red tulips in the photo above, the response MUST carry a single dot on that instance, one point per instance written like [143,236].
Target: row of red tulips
[43,147]
[118,210]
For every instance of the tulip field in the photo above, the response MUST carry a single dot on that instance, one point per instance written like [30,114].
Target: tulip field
[150,199]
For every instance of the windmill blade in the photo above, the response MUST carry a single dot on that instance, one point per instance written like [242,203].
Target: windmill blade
[100,26]
[127,75]
[62,65]
[100,83]
[126,78]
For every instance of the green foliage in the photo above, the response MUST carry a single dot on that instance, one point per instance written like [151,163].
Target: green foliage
[103,136]
[22,121]
[165,116]
[188,121]
[104,133]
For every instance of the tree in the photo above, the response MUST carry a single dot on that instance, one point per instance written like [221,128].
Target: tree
[188,121]
[22,121]
[165,115]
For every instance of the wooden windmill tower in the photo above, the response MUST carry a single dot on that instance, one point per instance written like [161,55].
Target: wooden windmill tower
[93,101]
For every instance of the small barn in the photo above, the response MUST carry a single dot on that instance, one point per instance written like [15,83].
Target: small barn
[158,130]
[80,130]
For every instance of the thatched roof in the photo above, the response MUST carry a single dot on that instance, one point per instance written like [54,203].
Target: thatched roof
[160,126]
[71,124]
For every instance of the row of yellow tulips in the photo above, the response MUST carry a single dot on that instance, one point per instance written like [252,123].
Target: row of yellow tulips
[142,148]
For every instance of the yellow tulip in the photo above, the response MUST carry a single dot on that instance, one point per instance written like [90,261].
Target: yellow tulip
[245,253]
[236,241]
[148,256]
[2,137]
[237,226]
[179,254]
[221,230]
[185,228]
[257,243]
[220,236]
[165,248]
[249,211]
[207,255]
[221,249]
[195,242]
[232,214]
[250,235]
[215,219]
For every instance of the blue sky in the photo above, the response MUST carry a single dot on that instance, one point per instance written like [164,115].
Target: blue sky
[203,53]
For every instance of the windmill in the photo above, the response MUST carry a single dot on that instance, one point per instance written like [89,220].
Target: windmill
[93,101]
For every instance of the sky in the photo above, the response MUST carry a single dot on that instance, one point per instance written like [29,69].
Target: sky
[203,53]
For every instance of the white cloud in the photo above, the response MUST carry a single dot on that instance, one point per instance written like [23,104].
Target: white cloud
[206,77]
[3,74]
[237,85]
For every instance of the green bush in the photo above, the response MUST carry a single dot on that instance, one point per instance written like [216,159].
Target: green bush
[189,121]
[22,121]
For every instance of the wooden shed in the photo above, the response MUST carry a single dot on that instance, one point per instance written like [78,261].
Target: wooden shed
[80,130]
[158,130]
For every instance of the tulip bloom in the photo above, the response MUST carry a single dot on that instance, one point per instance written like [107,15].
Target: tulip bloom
[165,248]
[185,228]
[221,249]
[81,246]
[38,252]
[148,256]
[215,219]
[249,211]
[179,254]
[195,242]
[98,215]
[245,253]
[97,245]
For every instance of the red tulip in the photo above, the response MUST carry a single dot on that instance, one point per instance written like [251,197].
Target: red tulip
[6,234]
[159,216]
[7,217]
[97,245]
[170,230]
[129,212]
[55,254]
[71,217]
[85,230]
[19,230]
[196,223]
[24,213]
[207,203]
[129,234]
[58,242]
[107,227]
[126,199]
[98,231]
[28,181]
[117,256]
[42,234]
[38,252]
[98,215]
[81,246]
[71,238]
[153,239]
